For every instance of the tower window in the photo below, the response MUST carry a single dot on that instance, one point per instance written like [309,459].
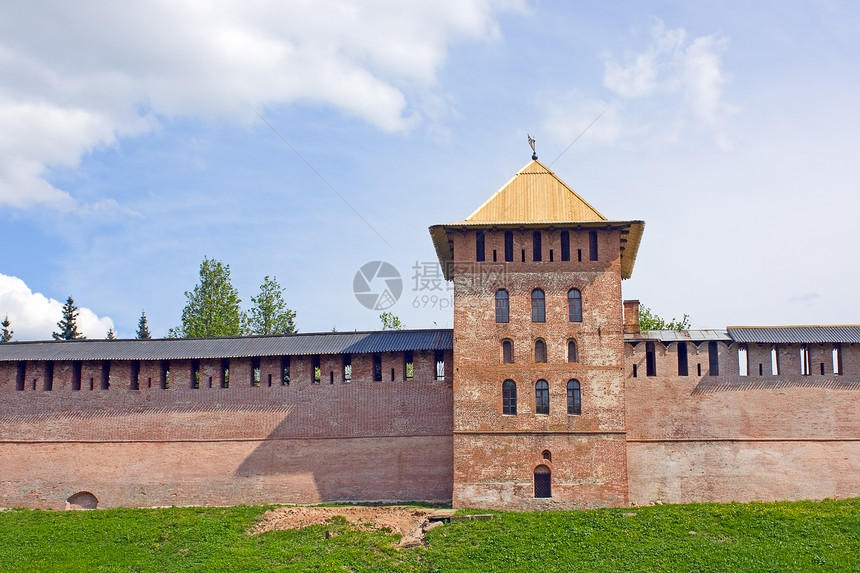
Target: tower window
[538,306]
[574,305]
[285,370]
[502,306]
[377,368]
[440,364]
[837,358]
[574,398]
[507,351]
[743,360]
[536,246]
[541,397]
[540,350]
[682,359]
[347,367]
[509,246]
[572,355]
[509,398]
[408,366]
[713,359]
[592,245]
[316,374]
[479,246]
[565,245]
[650,359]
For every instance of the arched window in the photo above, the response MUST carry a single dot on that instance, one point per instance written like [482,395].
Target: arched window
[503,306]
[572,356]
[574,398]
[509,398]
[546,455]
[540,350]
[543,481]
[541,397]
[538,306]
[507,351]
[574,305]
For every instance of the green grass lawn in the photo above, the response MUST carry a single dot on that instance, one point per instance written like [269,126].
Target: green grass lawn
[799,536]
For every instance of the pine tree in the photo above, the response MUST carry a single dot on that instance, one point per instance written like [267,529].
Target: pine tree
[111,335]
[7,333]
[68,325]
[143,327]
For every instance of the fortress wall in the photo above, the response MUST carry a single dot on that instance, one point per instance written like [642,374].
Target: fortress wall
[741,438]
[296,443]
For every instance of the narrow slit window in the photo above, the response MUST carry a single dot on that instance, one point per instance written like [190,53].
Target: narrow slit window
[523,255]
[49,376]
[578,255]
[21,376]
[105,385]
[538,306]
[537,252]
[774,360]
[509,398]
[540,351]
[509,246]
[743,360]
[255,372]
[408,366]
[392,374]
[439,358]
[503,306]
[77,370]
[135,375]
[635,371]
[804,361]
[164,382]
[565,245]
[574,305]
[225,372]
[507,351]
[682,359]
[592,245]
[347,367]
[316,373]
[377,368]
[541,397]
[574,398]
[479,246]
[650,359]
[195,374]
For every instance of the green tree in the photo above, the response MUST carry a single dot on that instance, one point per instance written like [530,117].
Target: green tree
[270,314]
[212,308]
[650,321]
[7,333]
[68,325]
[143,327]
[111,335]
[390,321]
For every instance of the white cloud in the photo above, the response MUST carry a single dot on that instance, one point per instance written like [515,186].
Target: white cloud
[34,316]
[77,76]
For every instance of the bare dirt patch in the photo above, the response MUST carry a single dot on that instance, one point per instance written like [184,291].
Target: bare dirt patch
[408,522]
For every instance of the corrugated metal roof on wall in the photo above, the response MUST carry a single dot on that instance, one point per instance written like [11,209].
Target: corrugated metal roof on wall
[702,335]
[240,347]
[795,334]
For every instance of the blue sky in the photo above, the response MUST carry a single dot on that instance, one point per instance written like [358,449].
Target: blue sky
[131,148]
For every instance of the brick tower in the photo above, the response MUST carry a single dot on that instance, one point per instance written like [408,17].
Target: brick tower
[538,347]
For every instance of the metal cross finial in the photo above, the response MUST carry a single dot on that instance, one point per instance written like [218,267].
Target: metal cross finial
[532,144]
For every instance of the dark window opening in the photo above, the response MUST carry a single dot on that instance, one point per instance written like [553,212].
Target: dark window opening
[650,359]
[574,305]
[135,375]
[285,370]
[543,482]
[105,382]
[479,246]
[822,368]
[571,351]
[316,373]
[579,255]
[195,374]
[495,256]
[164,382]
[541,397]
[255,372]
[509,246]
[540,351]
[392,374]
[837,358]
[331,376]
[574,398]
[49,376]
[503,306]
[439,357]
[546,455]
[77,369]
[682,359]
[550,255]
[507,351]
[408,366]
[635,371]
[538,306]
[347,367]
[713,359]
[565,245]
[698,369]
[377,368]
[760,369]
[21,376]
[268,380]
[524,255]
[592,245]
[225,372]
[537,252]
[509,398]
